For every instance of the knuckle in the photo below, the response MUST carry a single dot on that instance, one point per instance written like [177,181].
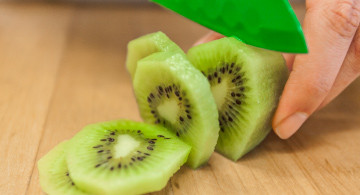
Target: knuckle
[343,17]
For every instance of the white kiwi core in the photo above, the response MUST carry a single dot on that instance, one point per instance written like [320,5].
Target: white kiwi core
[125,144]
[169,110]
[219,92]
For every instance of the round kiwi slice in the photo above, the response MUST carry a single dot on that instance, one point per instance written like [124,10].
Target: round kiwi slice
[146,45]
[124,157]
[54,173]
[171,92]
[246,83]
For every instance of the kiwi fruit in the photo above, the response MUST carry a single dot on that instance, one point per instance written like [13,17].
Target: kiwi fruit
[54,174]
[172,93]
[246,83]
[146,45]
[124,157]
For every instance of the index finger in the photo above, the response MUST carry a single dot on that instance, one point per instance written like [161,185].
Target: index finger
[329,27]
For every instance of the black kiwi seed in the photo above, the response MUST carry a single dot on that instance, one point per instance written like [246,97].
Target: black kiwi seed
[180,98]
[112,133]
[139,158]
[230,119]
[238,102]
[187,111]
[167,138]
[209,77]
[149,99]
[219,80]
[150,148]
[181,118]
[152,95]
[112,168]
[111,139]
[188,106]
[67,174]
[177,134]
[100,151]
[157,121]
[72,183]
[215,74]
[154,139]
[230,71]
[133,159]
[177,93]
[238,94]
[153,111]
[232,65]
[189,117]
[119,165]
[103,140]
[222,129]
[98,146]
[222,70]
[161,89]
[232,94]
[151,142]
[138,131]
[230,107]
[110,157]
[242,88]
[98,165]
[138,151]
[147,154]
[160,136]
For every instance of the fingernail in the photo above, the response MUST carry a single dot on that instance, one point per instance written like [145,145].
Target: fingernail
[290,125]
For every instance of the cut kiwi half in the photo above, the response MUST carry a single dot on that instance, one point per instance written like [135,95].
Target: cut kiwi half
[124,157]
[172,93]
[146,45]
[54,174]
[246,83]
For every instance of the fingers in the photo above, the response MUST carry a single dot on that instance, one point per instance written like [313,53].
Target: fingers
[349,71]
[209,37]
[329,27]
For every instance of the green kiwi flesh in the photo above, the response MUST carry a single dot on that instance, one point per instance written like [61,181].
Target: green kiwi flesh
[146,45]
[171,92]
[54,173]
[124,157]
[246,83]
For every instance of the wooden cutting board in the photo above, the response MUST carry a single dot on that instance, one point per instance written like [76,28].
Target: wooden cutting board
[62,67]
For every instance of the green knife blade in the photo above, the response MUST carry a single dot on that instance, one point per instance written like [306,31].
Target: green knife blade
[269,24]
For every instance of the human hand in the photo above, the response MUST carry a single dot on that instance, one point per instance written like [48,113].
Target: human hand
[333,62]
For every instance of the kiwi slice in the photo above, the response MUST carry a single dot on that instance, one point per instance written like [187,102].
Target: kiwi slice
[246,83]
[124,157]
[54,173]
[146,45]
[171,92]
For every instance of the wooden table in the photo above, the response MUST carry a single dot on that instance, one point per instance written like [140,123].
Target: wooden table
[62,67]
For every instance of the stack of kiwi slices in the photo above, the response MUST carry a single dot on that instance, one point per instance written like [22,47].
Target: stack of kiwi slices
[221,95]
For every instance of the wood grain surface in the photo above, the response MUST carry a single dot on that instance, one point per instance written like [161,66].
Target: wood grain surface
[62,67]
